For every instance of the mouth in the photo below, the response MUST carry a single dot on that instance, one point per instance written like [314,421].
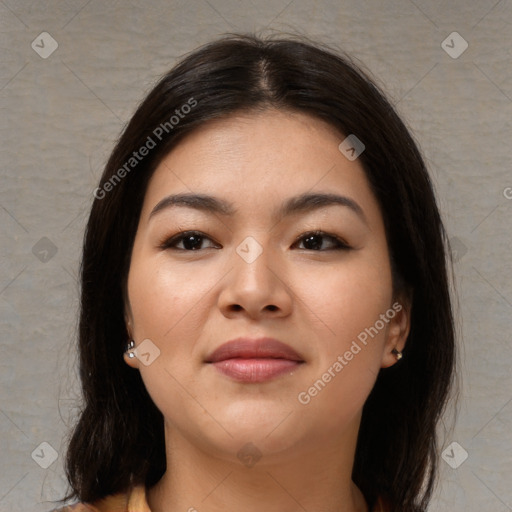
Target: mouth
[255,360]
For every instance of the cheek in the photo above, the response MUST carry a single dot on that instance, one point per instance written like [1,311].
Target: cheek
[164,301]
[346,305]
[168,307]
[344,301]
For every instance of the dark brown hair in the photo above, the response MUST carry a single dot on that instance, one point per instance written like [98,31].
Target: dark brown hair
[118,440]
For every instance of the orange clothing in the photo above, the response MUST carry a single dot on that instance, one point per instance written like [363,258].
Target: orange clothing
[135,501]
[131,501]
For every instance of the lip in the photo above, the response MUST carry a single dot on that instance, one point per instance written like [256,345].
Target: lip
[254,360]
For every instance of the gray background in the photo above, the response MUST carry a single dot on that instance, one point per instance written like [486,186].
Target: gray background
[62,114]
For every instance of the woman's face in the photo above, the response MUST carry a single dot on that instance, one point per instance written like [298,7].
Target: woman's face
[255,268]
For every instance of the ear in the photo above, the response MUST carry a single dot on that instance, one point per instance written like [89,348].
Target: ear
[128,320]
[129,324]
[131,361]
[398,329]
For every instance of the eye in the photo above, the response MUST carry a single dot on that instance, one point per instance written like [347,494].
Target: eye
[314,241]
[190,240]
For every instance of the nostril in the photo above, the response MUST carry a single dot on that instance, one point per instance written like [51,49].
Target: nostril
[237,307]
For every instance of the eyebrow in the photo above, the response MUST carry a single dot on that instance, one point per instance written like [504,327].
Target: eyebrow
[302,203]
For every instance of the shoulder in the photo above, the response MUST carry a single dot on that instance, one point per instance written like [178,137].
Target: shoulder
[132,500]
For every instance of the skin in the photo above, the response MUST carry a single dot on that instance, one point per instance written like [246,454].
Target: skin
[316,300]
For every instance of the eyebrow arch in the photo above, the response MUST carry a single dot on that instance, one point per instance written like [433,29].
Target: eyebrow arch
[201,202]
[312,201]
[298,204]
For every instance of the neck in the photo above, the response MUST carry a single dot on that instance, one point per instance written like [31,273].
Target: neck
[313,477]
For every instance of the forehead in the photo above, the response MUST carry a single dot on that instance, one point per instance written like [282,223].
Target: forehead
[260,158]
[276,137]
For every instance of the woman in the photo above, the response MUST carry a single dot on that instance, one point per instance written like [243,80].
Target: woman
[265,319]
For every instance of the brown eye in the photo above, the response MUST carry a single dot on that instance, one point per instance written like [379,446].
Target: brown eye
[189,240]
[318,240]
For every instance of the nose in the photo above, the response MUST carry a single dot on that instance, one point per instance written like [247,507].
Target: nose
[256,287]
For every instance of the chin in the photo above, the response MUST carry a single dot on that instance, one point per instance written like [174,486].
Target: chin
[268,428]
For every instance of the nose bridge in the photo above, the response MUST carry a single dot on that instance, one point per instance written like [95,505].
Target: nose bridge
[252,258]
[250,249]
[254,285]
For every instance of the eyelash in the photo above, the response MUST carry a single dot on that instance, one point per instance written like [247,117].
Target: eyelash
[169,243]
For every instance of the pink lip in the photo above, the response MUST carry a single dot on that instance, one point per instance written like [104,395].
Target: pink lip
[254,360]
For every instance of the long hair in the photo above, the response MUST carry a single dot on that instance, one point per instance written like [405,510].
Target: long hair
[118,440]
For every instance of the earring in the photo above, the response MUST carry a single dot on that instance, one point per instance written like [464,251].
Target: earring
[397,353]
[129,348]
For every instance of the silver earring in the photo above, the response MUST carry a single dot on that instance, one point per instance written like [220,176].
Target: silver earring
[397,353]
[129,349]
